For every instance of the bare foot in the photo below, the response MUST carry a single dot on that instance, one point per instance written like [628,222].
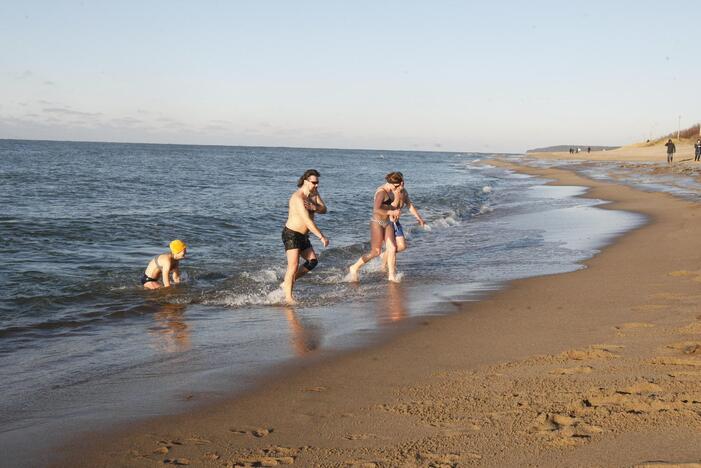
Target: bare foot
[289,300]
[353,274]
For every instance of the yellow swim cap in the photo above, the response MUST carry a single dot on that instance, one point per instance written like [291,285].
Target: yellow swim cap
[177,246]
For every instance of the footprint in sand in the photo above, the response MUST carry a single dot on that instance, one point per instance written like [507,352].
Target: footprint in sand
[657,464]
[447,459]
[687,347]
[360,464]
[315,389]
[572,370]
[449,429]
[686,375]
[668,296]
[680,273]
[359,436]
[592,352]
[672,361]
[638,399]
[649,307]
[198,441]
[563,430]
[694,328]
[634,325]
[260,461]
[641,388]
[176,461]
[255,432]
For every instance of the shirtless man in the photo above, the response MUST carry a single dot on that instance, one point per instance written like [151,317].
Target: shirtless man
[163,265]
[303,205]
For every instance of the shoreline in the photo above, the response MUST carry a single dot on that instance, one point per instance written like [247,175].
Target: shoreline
[370,406]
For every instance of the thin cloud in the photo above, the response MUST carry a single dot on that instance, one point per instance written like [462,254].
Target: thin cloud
[70,112]
[126,121]
[25,75]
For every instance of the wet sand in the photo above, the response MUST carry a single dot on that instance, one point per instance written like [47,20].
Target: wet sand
[599,367]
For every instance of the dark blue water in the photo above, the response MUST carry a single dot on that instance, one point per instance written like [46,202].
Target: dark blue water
[82,345]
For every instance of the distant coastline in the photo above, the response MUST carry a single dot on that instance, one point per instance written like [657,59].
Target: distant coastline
[560,148]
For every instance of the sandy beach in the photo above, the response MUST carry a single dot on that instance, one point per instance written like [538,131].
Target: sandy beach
[639,152]
[599,367]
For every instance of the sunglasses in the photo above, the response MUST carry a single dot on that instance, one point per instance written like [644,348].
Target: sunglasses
[313,182]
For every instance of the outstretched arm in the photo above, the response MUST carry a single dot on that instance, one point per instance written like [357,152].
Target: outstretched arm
[414,211]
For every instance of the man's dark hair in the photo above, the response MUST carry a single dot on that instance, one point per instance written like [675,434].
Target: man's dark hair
[305,176]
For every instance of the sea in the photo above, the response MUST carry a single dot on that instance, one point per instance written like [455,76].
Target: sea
[83,347]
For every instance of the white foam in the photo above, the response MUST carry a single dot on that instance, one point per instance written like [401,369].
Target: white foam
[487,189]
[276,296]
[262,276]
[446,222]
[485,209]
[399,277]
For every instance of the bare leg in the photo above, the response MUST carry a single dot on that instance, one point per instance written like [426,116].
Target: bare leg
[401,246]
[290,274]
[152,285]
[391,253]
[307,255]
[376,238]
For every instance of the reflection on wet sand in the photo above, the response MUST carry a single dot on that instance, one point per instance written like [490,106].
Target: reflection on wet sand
[304,338]
[393,308]
[171,333]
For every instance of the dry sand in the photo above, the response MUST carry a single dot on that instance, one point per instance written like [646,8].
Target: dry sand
[647,152]
[599,367]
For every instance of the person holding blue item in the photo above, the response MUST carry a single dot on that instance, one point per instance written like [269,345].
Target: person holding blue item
[402,200]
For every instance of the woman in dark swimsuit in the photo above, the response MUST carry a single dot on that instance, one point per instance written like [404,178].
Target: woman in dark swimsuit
[163,265]
[381,229]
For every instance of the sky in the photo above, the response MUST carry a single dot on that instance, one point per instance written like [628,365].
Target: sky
[439,75]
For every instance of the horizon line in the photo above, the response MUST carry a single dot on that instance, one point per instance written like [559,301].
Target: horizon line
[254,146]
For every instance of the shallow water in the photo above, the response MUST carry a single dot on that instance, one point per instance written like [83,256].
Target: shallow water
[82,345]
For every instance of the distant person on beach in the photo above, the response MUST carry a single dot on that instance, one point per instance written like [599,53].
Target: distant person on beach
[163,265]
[402,201]
[303,205]
[588,149]
[671,149]
[697,150]
[385,206]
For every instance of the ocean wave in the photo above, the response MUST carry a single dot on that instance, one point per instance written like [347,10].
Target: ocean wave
[266,275]
[238,299]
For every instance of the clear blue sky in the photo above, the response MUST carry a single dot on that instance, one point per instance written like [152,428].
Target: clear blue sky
[464,76]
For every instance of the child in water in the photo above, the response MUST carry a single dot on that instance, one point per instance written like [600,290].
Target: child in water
[163,265]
